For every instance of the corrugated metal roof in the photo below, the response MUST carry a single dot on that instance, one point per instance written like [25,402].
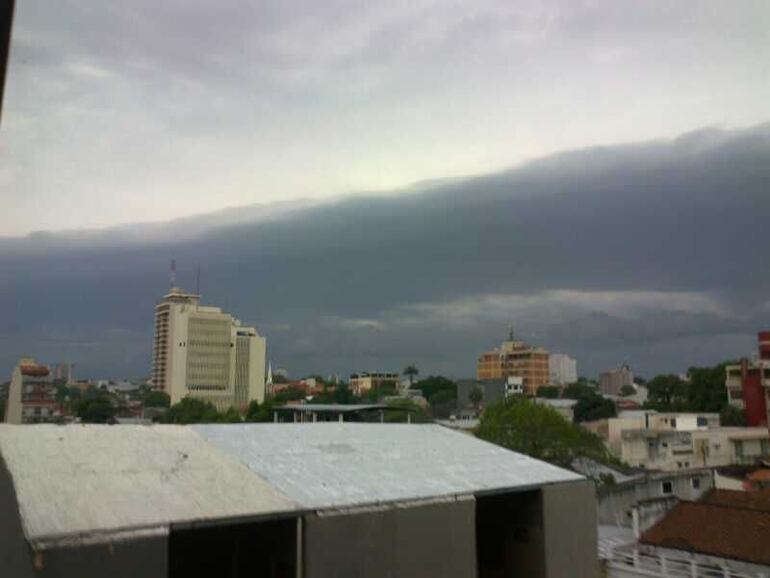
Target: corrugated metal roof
[333,407]
[94,480]
[333,465]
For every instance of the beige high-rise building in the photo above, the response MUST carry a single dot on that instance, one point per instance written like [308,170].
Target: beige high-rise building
[31,395]
[206,353]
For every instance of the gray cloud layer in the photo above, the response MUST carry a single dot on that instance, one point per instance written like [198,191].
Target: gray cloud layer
[652,253]
[126,111]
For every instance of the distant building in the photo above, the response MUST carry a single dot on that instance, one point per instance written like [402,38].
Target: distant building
[562,368]
[611,382]
[203,352]
[31,394]
[362,382]
[748,384]
[492,391]
[515,359]
[65,372]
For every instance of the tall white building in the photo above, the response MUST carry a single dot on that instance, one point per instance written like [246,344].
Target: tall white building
[203,352]
[563,369]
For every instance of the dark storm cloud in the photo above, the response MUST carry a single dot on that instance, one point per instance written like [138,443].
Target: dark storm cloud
[652,253]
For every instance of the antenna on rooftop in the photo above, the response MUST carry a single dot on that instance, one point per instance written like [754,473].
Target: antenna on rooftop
[173,273]
[198,281]
[510,333]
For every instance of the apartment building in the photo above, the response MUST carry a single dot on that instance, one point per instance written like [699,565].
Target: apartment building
[31,394]
[681,449]
[364,381]
[515,359]
[612,381]
[748,384]
[562,368]
[203,352]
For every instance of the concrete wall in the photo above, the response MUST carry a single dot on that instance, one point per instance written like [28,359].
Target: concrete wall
[146,557]
[569,522]
[433,539]
[14,553]
[615,502]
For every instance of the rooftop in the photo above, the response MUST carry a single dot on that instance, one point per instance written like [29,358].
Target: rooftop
[332,407]
[714,529]
[97,483]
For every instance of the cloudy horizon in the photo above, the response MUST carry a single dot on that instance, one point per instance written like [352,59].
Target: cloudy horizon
[648,253]
[139,112]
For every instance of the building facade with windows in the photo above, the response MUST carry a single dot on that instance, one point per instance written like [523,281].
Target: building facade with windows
[366,380]
[612,381]
[31,394]
[748,384]
[562,368]
[515,359]
[203,352]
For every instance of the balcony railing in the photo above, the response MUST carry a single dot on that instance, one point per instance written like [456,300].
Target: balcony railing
[668,566]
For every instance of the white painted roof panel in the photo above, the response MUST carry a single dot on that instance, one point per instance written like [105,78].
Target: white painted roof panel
[93,480]
[333,465]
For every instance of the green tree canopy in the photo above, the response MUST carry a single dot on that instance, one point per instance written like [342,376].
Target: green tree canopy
[627,390]
[706,390]
[155,398]
[578,390]
[96,409]
[256,412]
[667,393]
[411,372]
[539,431]
[592,407]
[548,391]
[475,395]
[732,416]
[192,410]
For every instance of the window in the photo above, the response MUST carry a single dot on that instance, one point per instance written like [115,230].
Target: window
[673,422]
[667,487]
[739,448]
[695,483]
[702,421]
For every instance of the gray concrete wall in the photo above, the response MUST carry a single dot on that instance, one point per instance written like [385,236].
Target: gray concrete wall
[435,539]
[146,557]
[14,552]
[569,521]
[616,501]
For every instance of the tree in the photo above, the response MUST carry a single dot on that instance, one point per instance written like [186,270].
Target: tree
[592,407]
[539,431]
[385,389]
[96,410]
[155,398]
[706,390]
[411,372]
[548,391]
[192,410]
[256,412]
[627,390]
[230,416]
[343,395]
[475,396]
[577,390]
[433,384]
[667,393]
[732,416]
[443,402]
[399,408]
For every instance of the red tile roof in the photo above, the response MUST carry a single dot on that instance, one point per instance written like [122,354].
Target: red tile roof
[757,500]
[715,529]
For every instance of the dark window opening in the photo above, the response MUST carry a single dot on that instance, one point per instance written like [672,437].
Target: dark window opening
[266,549]
[667,487]
[509,535]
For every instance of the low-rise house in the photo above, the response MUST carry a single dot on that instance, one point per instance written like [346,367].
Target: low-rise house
[724,534]
[275,500]
[364,381]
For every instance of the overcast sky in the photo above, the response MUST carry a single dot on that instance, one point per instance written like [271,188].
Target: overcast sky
[118,112]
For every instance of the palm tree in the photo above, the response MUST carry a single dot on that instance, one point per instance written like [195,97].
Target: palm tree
[411,371]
